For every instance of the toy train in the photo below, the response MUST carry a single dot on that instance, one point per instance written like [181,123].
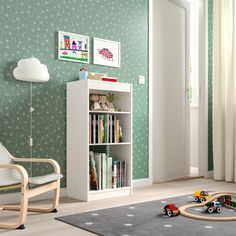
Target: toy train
[229,201]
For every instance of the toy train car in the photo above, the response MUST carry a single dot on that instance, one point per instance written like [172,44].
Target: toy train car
[230,201]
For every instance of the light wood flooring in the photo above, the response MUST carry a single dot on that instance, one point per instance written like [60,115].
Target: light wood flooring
[44,224]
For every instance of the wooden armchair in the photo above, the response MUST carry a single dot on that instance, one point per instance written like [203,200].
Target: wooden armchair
[13,175]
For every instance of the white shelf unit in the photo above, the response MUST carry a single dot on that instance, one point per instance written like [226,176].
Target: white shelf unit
[78,145]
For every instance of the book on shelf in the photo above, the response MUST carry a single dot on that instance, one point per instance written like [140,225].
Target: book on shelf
[101,128]
[121,173]
[90,131]
[109,172]
[98,167]
[93,180]
[114,175]
[111,129]
[104,169]
[106,172]
[104,128]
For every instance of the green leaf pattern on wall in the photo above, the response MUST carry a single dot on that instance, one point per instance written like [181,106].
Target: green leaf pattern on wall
[29,28]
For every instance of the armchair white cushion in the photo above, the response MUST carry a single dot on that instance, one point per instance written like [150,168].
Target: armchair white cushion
[7,176]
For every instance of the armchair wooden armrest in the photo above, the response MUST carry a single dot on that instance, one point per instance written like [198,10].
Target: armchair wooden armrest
[40,160]
[22,171]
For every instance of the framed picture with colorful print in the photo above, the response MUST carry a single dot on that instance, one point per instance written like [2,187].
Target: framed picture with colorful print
[106,52]
[73,47]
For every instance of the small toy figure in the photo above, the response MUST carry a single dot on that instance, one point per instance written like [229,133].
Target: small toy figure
[83,74]
[201,196]
[216,206]
[94,102]
[170,210]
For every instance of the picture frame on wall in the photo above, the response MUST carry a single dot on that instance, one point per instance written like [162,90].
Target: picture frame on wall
[106,52]
[73,47]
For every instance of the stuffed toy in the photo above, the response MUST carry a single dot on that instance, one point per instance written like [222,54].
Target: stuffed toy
[103,102]
[110,99]
[94,102]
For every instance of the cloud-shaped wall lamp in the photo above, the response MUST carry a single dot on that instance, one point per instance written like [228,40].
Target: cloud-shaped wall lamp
[31,70]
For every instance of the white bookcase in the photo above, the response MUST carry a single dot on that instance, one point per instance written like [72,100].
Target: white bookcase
[78,145]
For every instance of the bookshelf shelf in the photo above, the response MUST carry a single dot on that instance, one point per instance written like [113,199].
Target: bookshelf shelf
[106,144]
[109,190]
[79,146]
[110,112]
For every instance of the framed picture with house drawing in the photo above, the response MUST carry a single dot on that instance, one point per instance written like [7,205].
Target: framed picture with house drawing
[73,47]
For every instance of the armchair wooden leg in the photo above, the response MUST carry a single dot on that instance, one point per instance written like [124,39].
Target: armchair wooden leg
[23,207]
[56,197]
[23,212]
[55,203]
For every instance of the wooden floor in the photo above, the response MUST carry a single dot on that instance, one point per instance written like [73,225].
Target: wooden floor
[44,224]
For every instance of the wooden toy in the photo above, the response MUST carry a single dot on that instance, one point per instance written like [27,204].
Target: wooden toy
[201,196]
[216,206]
[228,201]
[170,210]
[212,197]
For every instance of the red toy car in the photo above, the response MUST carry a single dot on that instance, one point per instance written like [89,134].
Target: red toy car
[170,210]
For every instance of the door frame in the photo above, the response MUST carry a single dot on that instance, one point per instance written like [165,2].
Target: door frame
[203,91]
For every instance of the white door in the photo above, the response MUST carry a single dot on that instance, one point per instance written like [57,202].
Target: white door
[170,86]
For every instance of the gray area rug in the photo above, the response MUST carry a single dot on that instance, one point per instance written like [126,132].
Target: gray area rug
[145,219]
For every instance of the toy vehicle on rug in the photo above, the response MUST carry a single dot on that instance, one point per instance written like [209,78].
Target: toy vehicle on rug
[228,201]
[213,206]
[170,210]
[201,196]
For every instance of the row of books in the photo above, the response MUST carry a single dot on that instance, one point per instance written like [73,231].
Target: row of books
[104,128]
[106,172]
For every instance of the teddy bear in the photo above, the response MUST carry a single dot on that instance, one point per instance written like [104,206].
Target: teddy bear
[94,102]
[110,100]
[103,102]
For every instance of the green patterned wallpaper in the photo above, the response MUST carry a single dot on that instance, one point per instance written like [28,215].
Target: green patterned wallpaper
[29,28]
[210,38]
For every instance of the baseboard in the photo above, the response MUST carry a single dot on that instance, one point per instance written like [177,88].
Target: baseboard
[142,182]
[10,198]
[209,174]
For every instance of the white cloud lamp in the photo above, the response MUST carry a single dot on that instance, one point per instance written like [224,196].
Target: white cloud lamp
[31,70]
